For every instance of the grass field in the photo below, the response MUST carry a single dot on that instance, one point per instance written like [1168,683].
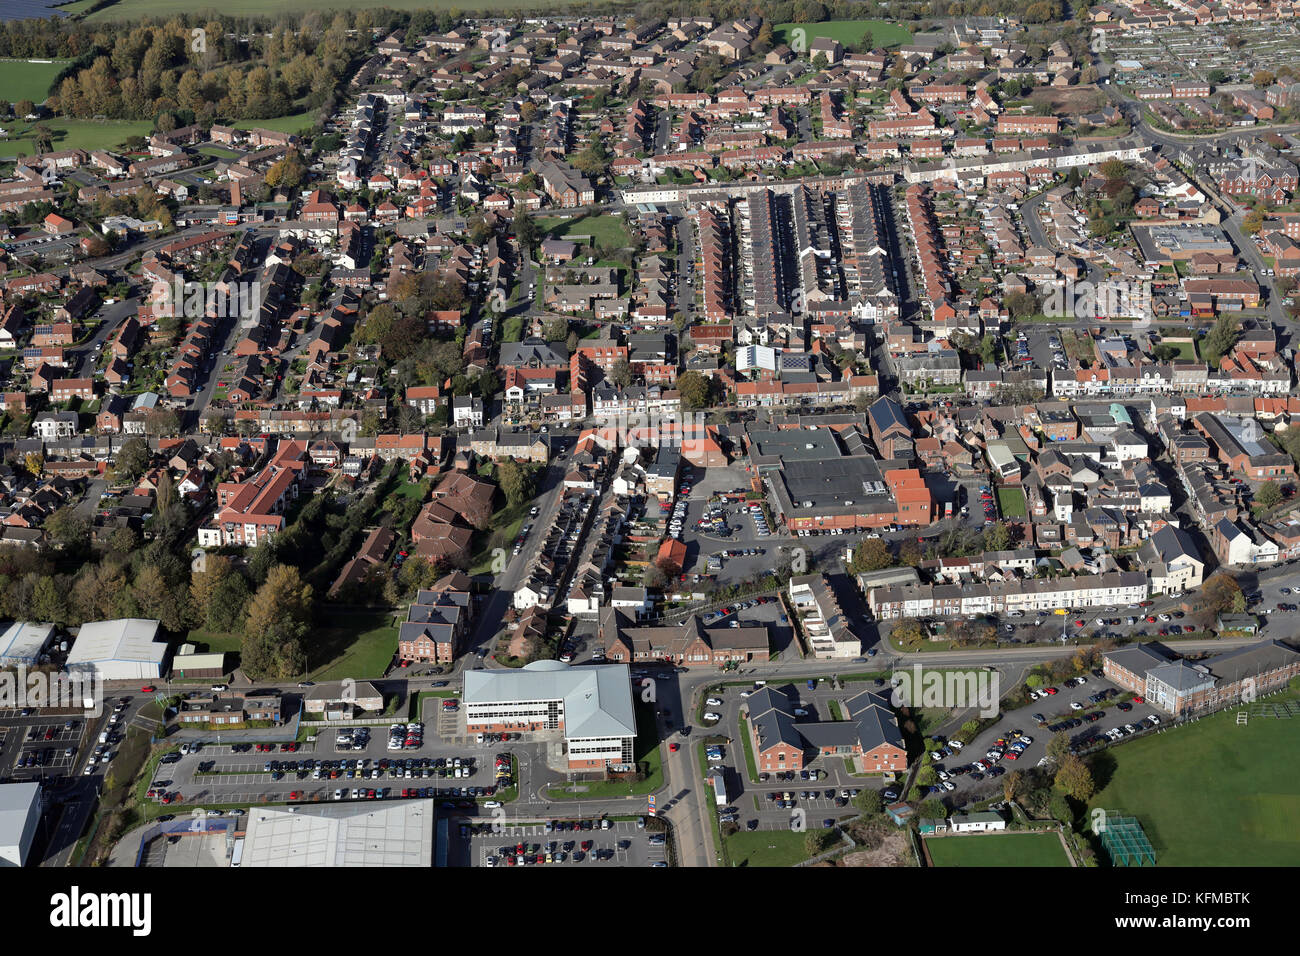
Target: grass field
[356,644]
[767,848]
[281,124]
[77,134]
[1011,502]
[21,80]
[883,33]
[605,230]
[1212,793]
[1015,849]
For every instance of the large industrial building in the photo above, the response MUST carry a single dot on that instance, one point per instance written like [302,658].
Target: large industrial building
[392,833]
[124,649]
[20,812]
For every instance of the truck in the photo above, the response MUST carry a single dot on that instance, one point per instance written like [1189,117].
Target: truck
[719,781]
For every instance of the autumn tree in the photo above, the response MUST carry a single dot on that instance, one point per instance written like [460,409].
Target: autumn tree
[1074,779]
[278,615]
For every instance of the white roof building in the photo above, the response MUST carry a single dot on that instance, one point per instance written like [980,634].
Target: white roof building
[23,642]
[20,812]
[590,706]
[124,649]
[395,833]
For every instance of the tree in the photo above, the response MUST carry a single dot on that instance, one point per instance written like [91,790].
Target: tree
[621,373]
[1074,779]
[1220,340]
[910,553]
[68,529]
[871,555]
[277,620]
[1058,748]
[1114,170]
[997,537]
[1253,222]
[1269,494]
[48,603]
[696,390]
[132,459]
[1012,784]
[1221,592]
[517,481]
[1021,304]
[162,421]
[869,802]
[526,231]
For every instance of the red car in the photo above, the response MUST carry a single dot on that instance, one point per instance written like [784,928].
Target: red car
[147,689]
[673,748]
[1012,755]
[1139,700]
[1051,690]
[295,794]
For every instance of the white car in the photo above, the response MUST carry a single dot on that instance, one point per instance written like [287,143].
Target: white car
[1153,718]
[800,712]
[491,804]
[1075,705]
[956,744]
[746,693]
[713,702]
[712,716]
[948,785]
[943,774]
[1026,739]
[1165,617]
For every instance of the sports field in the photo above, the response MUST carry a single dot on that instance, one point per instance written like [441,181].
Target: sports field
[76,134]
[1011,501]
[1212,793]
[1010,849]
[606,230]
[21,80]
[883,33]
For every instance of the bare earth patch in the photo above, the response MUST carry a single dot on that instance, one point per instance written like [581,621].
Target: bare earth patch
[1073,99]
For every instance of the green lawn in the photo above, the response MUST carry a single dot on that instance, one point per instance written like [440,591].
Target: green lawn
[883,33]
[1011,502]
[1013,849]
[1186,350]
[77,134]
[606,230]
[281,124]
[215,642]
[767,848]
[218,152]
[356,644]
[1212,793]
[23,80]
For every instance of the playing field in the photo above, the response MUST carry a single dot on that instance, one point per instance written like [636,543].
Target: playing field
[77,134]
[1011,501]
[21,80]
[607,231]
[1212,793]
[883,33]
[280,124]
[1010,849]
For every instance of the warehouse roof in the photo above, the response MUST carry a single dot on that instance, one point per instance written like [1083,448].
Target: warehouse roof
[124,639]
[397,833]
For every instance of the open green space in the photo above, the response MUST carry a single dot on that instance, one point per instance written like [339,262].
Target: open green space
[606,230]
[1011,502]
[24,80]
[767,847]
[883,34]
[1209,793]
[291,123]
[357,644]
[215,642]
[1009,849]
[76,134]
